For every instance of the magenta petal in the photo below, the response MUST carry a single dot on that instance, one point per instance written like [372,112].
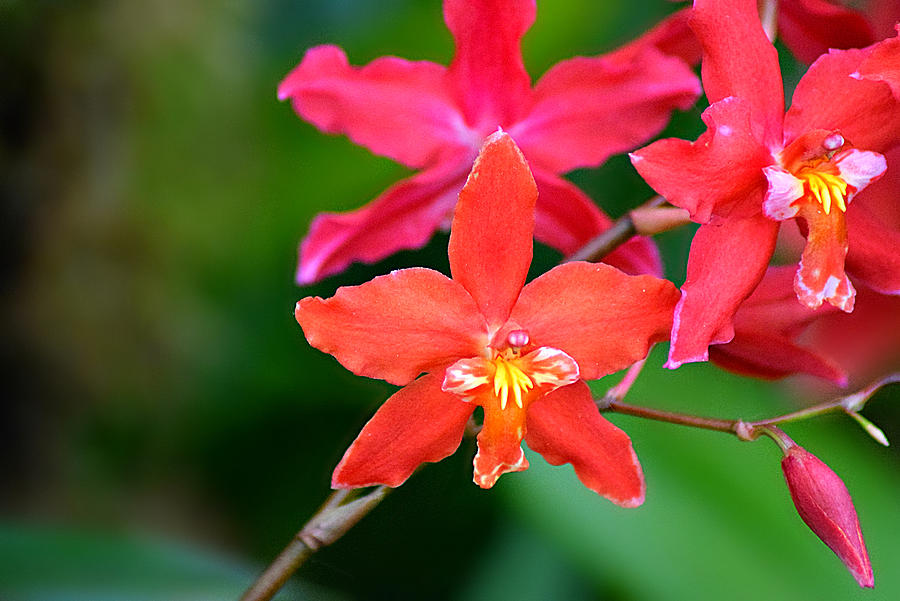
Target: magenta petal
[566,427]
[727,260]
[724,166]
[419,423]
[673,36]
[831,95]
[394,107]
[739,60]
[403,217]
[487,75]
[810,27]
[566,219]
[587,109]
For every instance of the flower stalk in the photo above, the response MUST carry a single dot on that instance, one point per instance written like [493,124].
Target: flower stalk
[645,220]
[340,512]
[751,430]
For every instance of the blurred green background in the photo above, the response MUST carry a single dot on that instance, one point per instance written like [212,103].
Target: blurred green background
[166,429]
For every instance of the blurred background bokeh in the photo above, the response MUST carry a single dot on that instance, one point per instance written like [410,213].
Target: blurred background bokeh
[166,429]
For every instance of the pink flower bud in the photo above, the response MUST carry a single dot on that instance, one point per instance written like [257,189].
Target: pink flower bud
[824,504]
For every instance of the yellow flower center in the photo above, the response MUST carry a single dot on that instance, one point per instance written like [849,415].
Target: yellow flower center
[508,376]
[826,188]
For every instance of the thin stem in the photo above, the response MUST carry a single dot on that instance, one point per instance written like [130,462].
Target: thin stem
[706,423]
[621,231]
[751,430]
[338,514]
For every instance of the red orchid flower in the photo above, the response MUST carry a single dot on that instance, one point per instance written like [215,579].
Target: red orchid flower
[774,336]
[482,339]
[756,166]
[867,342]
[434,118]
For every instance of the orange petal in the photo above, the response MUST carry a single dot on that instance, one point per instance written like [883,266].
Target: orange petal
[417,424]
[490,241]
[566,427]
[396,326]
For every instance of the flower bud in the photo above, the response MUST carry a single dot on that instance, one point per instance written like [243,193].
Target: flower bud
[825,506]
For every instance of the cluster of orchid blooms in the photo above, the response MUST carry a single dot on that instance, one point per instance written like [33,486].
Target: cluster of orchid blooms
[490,149]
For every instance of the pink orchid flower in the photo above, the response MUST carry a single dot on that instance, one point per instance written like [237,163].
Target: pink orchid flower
[434,118]
[756,166]
[484,338]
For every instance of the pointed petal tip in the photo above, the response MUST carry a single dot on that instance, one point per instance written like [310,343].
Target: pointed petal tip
[631,503]
[865,579]
[498,137]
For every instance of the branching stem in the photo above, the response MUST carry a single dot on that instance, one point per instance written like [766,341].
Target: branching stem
[751,430]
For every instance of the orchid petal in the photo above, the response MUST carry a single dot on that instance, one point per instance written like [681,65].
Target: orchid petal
[771,357]
[710,175]
[883,64]
[395,326]
[859,168]
[673,36]
[588,109]
[727,260]
[419,423]
[566,427]
[602,318]
[405,216]
[820,275]
[784,190]
[500,443]
[810,27]
[873,229]
[864,342]
[487,75]
[394,107]
[490,241]
[766,327]
[566,219]
[773,306]
[873,256]
[752,74]
[834,77]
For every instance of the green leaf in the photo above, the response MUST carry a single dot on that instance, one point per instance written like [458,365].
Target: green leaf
[40,563]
